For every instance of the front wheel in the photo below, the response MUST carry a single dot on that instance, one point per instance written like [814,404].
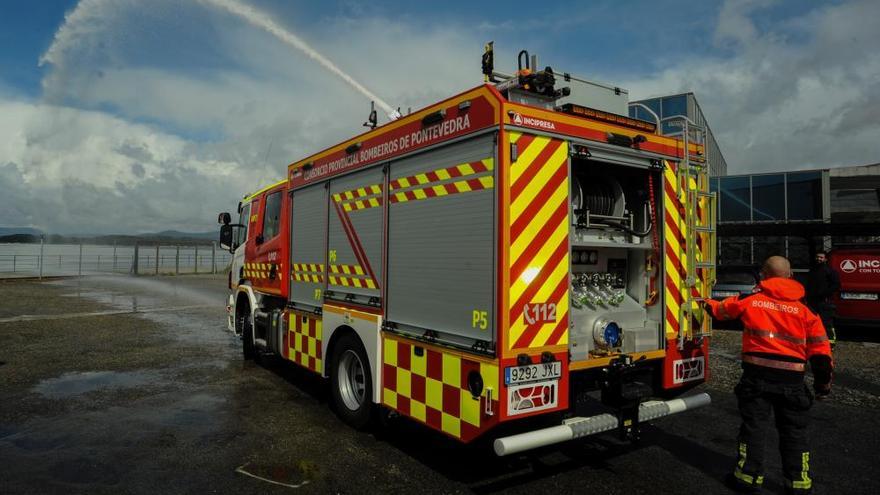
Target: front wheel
[351,384]
[246,325]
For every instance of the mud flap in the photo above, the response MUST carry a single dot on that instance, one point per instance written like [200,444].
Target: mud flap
[686,366]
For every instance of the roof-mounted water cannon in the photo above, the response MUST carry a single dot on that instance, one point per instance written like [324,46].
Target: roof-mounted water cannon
[528,85]
[373,119]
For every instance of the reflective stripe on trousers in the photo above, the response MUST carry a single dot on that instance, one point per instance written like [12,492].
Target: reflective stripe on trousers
[805,483]
[740,463]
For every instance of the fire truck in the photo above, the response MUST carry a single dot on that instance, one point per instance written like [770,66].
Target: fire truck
[517,250]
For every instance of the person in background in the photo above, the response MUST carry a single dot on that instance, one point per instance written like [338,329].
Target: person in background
[780,334]
[822,283]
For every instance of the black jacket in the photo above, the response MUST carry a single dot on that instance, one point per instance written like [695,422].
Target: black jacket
[822,283]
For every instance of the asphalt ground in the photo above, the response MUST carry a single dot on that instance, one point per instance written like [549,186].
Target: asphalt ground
[124,385]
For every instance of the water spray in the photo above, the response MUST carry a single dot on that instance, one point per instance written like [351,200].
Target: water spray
[261,20]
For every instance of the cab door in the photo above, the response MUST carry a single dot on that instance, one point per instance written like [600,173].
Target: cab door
[267,266]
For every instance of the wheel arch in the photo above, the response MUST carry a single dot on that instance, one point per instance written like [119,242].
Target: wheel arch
[244,294]
[367,332]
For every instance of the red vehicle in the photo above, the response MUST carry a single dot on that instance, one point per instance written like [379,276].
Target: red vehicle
[495,256]
[858,302]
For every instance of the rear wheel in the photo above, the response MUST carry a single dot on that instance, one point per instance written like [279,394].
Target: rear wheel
[351,383]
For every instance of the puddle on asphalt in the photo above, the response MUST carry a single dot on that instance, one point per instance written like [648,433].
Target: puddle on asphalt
[77,383]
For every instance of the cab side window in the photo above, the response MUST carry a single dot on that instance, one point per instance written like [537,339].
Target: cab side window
[244,219]
[272,215]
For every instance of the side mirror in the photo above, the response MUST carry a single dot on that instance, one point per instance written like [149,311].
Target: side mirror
[226,236]
[224,218]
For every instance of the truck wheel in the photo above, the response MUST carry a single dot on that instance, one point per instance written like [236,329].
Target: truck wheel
[351,384]
[249,352]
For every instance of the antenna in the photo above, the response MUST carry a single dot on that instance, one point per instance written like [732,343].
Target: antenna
[373,119]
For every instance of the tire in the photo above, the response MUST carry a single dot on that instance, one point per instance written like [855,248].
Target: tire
[350,382]
[249,352]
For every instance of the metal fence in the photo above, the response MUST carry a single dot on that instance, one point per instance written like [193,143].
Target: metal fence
[66,260]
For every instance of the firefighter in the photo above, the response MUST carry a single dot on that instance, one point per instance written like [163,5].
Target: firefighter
[822,283]
[780,334]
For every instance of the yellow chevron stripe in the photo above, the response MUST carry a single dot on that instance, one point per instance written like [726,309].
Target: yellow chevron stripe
[514,136]
[558,275]
[559,235]
[527,156]
[539,220]
[547,330]
[466,169]
[535,183]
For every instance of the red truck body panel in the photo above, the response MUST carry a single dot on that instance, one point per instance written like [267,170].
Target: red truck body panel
[858,301]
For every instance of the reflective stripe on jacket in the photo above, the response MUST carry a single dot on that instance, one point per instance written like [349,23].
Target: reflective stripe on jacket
[775,321]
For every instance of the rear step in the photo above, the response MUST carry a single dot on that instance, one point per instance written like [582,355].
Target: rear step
[581,427]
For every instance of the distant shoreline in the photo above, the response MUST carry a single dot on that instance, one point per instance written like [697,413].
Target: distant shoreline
[121,240]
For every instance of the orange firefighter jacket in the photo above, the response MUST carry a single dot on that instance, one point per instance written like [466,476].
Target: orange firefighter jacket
[775,322]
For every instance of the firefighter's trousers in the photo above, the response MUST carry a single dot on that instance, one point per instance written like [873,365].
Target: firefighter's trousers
[825,311]
[788,404]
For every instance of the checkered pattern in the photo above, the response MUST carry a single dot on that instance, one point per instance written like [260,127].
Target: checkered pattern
[304,341]
[432,388]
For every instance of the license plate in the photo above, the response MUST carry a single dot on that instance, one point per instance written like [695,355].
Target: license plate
[858,296]
[724,293]
[532,373]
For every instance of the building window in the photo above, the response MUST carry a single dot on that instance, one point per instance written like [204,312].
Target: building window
[672,106]
[735,199]
[735,251]
[804,196]
[855,201]
[767,246]
[768,197]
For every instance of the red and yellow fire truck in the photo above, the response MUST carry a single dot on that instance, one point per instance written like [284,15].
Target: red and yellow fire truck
[493,257]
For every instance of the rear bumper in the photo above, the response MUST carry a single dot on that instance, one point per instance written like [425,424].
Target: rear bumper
[581,427]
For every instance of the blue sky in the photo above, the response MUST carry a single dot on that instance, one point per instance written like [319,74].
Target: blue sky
[128,116]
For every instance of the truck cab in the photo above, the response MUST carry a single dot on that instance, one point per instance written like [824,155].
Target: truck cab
[256,243]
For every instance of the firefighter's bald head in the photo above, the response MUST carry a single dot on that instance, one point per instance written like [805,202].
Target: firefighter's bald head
[776,266]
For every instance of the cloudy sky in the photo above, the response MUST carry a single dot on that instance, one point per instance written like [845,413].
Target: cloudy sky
[129,116]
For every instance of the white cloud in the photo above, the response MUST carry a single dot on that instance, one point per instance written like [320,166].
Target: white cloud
[127,141]
[803,94]
[157,118]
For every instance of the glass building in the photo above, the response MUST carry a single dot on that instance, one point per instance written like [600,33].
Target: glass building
[682,104]
[795,214]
